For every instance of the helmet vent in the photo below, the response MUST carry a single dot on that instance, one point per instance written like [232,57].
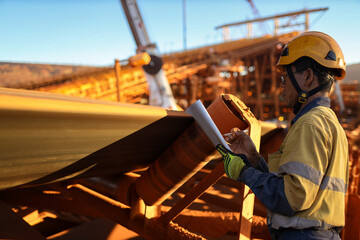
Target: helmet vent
[285,52]
[331,56]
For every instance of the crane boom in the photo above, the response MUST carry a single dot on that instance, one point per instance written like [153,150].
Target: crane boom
[159,88]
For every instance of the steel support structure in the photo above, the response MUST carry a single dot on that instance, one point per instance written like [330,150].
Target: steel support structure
[291,16]
[51,138]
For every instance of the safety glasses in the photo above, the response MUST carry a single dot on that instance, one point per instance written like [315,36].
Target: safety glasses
[283,78]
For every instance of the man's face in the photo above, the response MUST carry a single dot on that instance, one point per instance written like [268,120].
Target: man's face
[289,93]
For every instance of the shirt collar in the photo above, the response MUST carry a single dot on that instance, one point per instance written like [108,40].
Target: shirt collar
[321,101]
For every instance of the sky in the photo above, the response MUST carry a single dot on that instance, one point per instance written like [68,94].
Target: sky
[95,32]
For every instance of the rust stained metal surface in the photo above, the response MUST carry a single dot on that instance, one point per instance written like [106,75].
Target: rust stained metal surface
[250,122]
[255,134]
[119,187]
[187,155]
[194,193]
[84,201]
[48,137]
[227,112]
[217,224]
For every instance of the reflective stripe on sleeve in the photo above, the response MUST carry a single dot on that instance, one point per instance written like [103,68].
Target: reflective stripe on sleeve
[315,176]
[303,170]
[333,184]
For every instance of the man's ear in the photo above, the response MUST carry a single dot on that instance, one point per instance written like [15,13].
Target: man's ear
[309,76]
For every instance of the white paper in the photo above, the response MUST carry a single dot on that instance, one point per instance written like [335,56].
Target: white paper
[202,117]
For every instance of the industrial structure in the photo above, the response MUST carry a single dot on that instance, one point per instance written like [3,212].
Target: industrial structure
[68,161]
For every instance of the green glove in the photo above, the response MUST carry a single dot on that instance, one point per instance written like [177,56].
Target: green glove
[233,163]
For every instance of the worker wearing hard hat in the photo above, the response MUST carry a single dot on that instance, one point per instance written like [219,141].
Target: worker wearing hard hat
[305,188]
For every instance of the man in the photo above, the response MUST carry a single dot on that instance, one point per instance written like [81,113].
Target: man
[306,186]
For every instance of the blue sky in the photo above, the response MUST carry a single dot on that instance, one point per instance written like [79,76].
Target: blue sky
[95,32]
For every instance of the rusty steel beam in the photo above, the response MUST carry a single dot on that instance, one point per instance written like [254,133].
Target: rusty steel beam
[48,137]
[119,187]
[84,201]
[223,180]
[217,200]
[196,192]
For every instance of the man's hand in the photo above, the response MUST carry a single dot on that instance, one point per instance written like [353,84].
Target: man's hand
[241,143]
[233,163]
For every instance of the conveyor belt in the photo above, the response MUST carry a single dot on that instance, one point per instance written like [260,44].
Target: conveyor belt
[48,137]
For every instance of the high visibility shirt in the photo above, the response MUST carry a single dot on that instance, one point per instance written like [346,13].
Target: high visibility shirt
[308,176]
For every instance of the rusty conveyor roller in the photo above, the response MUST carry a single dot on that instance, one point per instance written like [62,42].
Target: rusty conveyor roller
[189,153]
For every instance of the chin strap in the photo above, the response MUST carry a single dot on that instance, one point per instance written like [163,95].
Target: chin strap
[303,95]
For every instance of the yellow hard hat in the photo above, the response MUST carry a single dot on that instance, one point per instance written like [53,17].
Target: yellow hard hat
[318,46]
